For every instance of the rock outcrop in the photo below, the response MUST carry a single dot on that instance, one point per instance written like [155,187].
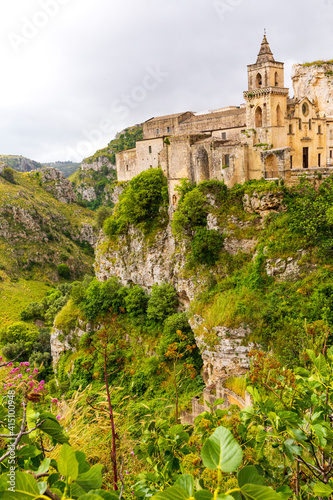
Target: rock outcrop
[314,81]
[56,183]
[228,356]
[101,161]
[264,203]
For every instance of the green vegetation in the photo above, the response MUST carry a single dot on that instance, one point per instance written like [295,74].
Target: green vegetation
[317,63]
[100,182]
[37,232]
[143,204]
[19,163]
[124,140]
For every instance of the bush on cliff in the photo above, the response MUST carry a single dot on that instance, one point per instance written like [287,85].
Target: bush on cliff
[140,203]
[162,302]
[206,246]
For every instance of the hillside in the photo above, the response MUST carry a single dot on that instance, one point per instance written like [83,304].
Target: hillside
[94,181]
[66,167]
[20,163]
[152,356]
[37,234]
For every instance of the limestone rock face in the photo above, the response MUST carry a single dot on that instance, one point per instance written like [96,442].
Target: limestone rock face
[61,343]
[98,164]
[133,260]
[87,192]
[228,357]
[263,203]
[56,183]
[285,269]
[315,83]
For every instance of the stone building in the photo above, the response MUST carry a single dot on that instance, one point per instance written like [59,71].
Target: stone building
[270,136]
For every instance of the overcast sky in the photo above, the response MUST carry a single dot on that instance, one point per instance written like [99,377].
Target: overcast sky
[74,72]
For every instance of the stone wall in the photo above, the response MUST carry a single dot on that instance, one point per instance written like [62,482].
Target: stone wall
[316,83]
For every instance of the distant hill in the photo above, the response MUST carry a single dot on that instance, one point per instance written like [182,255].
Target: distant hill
[20,163]
[66,167]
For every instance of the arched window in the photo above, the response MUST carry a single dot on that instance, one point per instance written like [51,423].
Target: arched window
[258,117]
[278,116]
[276,79]
[259,80]
[174,199]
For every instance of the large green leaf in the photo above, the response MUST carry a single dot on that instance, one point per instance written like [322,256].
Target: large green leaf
[173,493]
[106,495]
[91,480]
[83,465]
[44,466]
[53,429]
[203,495]
[224,496]
[26,488]
[256,492]
[91,496]
[249,475]
[67,463]
[186,482]
[322,490]
[221,451]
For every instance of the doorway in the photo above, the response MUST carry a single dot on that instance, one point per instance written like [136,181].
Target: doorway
[305,157]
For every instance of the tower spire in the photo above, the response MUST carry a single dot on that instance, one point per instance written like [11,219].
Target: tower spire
[265,53]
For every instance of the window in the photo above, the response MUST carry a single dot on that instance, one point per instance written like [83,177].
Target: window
[258,117]
[276,79]
[331,134]
[168,130]
[278,116]
[150,166]
[157,131]
[319,159]
[174,199]
[226,160]
[127,169]
[305,108]
[331,156]
[259,80]
[319,129]
[310,123]
[150,150]
[224,135]
[291,162]
[290,129]
[300,124]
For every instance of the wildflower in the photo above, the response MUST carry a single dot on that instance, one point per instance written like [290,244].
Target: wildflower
[35,370]
[10,364]
[132,453]
[28,370]
[58,417]
[20,375]
[54,400]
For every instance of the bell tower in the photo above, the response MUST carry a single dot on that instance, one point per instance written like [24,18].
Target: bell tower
[266,98]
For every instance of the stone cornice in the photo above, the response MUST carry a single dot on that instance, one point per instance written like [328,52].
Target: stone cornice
[264,91]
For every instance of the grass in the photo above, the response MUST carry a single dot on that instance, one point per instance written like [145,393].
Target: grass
[237,385]
[14,297]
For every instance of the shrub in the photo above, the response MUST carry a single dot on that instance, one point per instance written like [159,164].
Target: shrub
[162,302]
[101,215]
[140,203]
[136,301]
[19,332]
[64,271]
[206,246]
[191,213]
[8,175]
[99,298]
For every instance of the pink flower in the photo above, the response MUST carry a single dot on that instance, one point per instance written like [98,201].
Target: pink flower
[28,370]
[20,376]
[35,370]
[54,400]
[58,417]
[10,364]
[31,376]
[132,453]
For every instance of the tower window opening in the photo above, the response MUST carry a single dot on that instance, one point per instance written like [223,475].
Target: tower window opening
[290,129]
[278,116]
[310,124]
[259,80]
[319,159]
[319,129]
[258,117]
[150,150]
[276,80]
[224,135]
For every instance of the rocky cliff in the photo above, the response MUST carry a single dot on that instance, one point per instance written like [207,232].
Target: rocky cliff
[314,81]
[136,260]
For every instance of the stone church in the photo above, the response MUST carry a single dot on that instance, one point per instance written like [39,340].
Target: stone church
[270,136]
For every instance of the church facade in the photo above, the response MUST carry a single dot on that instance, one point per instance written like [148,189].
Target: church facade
[270,136]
